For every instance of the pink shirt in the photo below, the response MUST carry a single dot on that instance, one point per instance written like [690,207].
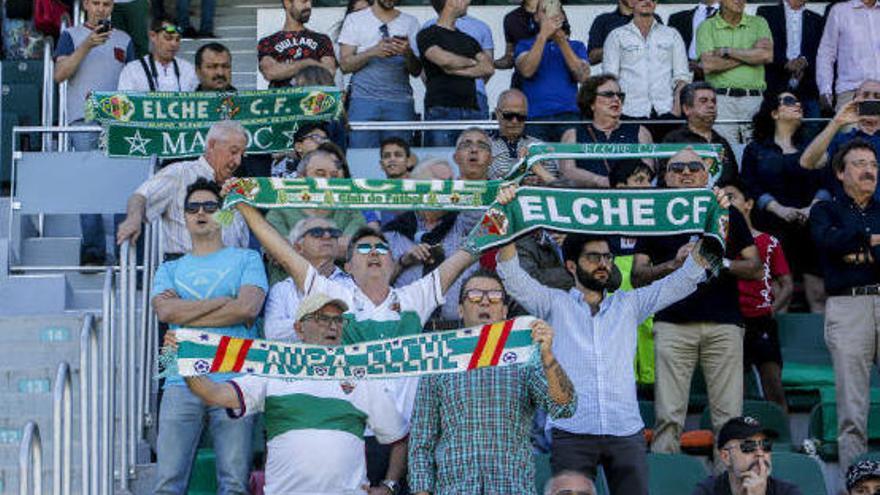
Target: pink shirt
[852,39]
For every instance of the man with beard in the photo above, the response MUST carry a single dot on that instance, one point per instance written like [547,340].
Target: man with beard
[846,231]
[295,47]
[596,344]
[706,327]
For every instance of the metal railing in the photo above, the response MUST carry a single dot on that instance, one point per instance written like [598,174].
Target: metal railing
[88,404]
[108,390]
[30,460]
[127,352]
[48,113]
[62,417]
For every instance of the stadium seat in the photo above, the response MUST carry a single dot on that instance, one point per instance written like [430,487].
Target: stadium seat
[674,474]
[801,470]
[771,417]
[802,338]
[203,478]
[823,427]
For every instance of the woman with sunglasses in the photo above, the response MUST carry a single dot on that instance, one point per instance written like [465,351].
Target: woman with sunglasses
[601,101]
[784,191]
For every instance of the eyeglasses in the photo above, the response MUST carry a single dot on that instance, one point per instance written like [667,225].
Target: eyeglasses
[168,28]
[333,232]
[596,258]
[476,296]
[479,145]
[326,321]
[749,446]
[789,101]
[367,248]
[519,117]
[384,30]
[679,167]
[318,138]
[194,206]
[612,94]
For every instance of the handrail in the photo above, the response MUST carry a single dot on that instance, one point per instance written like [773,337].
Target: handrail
[127,401]
[88,404]
[143,334]
[107,386]
[62,99]
[30,460]
[48,93]
[62,416]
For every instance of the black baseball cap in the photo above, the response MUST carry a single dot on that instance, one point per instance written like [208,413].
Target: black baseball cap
[741,428]
[862,470]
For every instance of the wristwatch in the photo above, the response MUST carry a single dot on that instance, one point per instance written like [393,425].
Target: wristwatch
[391,485]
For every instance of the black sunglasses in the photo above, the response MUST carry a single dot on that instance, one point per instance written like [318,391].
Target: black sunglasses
[195,206]
[789,101]
[612,94]
[333,232]
[679,167]
[511,116]
[749,446]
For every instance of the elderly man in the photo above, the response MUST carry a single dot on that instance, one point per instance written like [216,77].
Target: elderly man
[706,326]
[744,450]
[569,483]
[510,143]
[470,431]
[315,442]
[863,478]
[162,195]
[846,231]
[219,289]
[162,69]
[316,239]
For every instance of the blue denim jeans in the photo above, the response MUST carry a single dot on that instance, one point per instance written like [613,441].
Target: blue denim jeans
[447,137]
[368,109]
[551,133]
[207,20]
[182,416]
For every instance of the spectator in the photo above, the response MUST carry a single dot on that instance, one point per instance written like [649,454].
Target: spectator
[219,289]
[848,26]
[316,240]
[760,300]
[606,428]
[394,158]
[601,101]
[796,32]
[687,22]
[473,154]
[452,61]
[306,139]
[698,103]
[340,79]
[470,431]
[550,67]
[540,255]
[90,57]
[132,17]
[163,194]
[650,61]
[214,68]
[322,164]
[510,144]
[744,449]
[569,483]
[519,24]
[206,28]
[863,478]
[283,54]
[705,327]
[374,46]
[602,26]
[334,413]
[846,231]
[734,65]
[317,75]
[825,145]
[783,191]
[161,69]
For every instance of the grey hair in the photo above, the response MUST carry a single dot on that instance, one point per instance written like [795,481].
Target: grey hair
[507,93]
[311,155]
[550,485]
[223,130]
[423,169]
[471,130]
[299,230]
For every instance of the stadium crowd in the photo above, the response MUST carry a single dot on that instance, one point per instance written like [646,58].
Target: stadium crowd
[621,318]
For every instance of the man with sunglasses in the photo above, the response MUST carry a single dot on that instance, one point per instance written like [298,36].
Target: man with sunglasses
[161,69]
[219,289]
[315,441]
[470,431]
[316,239]
[706,327]
[744,449]
[511,143]
[596,344]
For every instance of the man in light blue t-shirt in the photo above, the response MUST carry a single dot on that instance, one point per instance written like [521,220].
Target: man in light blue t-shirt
[220,289]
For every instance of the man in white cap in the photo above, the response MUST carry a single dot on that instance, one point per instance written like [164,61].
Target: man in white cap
[304,417]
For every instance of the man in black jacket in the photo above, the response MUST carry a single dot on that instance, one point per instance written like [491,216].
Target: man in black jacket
[686,23]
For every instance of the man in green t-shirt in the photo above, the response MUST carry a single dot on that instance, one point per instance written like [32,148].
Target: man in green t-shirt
[733,48]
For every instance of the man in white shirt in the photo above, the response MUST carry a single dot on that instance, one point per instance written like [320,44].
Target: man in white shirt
[650,61]
[314,427]
[161,69]
[162,195]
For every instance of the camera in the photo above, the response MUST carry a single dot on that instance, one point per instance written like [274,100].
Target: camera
[104,26]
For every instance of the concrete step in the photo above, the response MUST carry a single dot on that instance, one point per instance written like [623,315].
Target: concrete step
[18,295]
[85,281]
[50,251]
[61,226]
[40,328]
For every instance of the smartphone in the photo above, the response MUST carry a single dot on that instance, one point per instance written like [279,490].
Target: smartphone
[104,26]
[436,251]
[869,107]
[400,37]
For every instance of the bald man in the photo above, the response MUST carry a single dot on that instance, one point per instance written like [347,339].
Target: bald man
[569,483]
[510,142]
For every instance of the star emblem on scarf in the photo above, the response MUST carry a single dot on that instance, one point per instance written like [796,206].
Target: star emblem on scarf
[289,135]
[137,143]
[203,337]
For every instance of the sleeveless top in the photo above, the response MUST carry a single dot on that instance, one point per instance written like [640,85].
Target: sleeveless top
[625,133]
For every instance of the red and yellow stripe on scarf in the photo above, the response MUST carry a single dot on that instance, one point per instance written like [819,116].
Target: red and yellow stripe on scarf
[491,343]
[230,356]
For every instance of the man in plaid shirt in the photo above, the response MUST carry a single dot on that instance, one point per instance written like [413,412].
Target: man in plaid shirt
[470,431]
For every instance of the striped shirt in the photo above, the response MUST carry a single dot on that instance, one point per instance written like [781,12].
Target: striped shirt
[597,351]
[165,193]
[506,154]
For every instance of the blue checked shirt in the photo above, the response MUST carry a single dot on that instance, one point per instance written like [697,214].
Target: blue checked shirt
[597,352]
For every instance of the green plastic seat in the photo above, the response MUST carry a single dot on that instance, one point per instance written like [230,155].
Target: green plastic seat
[771,416]
[802,338]
[674,474]
[203,478]
[823,427]
[801,470]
